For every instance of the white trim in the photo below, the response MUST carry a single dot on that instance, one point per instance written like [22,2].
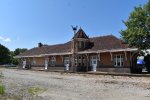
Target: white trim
[93,62]
[120,61]
[43,55]
[117,50]
[112,50]
[99,57]
[82,52]
[46,61]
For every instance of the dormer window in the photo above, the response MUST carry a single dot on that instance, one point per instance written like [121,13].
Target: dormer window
[80,40]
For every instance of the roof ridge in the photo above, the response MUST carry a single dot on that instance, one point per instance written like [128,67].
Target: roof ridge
[58,44]
[103,36]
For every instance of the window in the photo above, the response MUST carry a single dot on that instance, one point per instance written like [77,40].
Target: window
[75,61]
[53,61]
[34,61]
[80,45]
[46,61]
[79,61]
[118,60]
[83,58]
[66,60]
[93,60]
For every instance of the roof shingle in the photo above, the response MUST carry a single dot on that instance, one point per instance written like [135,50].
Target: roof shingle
[99,43]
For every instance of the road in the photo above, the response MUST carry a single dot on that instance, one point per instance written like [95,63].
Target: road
[69,86]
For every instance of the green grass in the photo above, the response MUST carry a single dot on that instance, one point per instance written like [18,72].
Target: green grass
[36,90]
[2,89]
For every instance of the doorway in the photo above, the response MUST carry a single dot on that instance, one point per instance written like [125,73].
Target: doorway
[93,63]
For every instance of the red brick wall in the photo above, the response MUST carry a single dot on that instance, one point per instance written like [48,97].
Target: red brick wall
[39,61]
[59,60]
[105,59]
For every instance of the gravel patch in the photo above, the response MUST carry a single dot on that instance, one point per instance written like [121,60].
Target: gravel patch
[70,86]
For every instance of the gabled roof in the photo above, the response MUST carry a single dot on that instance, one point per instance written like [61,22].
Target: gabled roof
[81,34]
[102,43]
[107,43]
[59,48]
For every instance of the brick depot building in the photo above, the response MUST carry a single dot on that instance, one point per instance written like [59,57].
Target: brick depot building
[104,53]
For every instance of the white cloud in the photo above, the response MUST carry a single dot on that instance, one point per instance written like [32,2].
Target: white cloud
[5,39]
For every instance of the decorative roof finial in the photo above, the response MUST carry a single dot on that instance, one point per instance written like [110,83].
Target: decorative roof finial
[74,28]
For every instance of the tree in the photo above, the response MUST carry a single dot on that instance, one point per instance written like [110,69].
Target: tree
[137,33]
[19,50]
[4,55]
[16,52]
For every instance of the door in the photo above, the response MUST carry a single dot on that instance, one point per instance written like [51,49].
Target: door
[66,63]
[94,63]
[46,63]
[24,64]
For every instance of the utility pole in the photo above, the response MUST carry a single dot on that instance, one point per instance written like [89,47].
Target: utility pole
[74,49]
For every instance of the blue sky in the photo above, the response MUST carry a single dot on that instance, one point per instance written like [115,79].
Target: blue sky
[25,23]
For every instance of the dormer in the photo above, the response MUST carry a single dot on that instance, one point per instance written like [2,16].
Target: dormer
[81,40]
[81,34]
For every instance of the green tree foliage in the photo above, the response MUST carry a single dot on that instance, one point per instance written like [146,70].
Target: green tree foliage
[16,52]
[19,50]
[4,55]
[7,57]
[137,32]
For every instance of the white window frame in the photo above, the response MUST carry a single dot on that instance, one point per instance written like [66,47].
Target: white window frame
[75,61]
[53,61]
[66,60]
[91,59]
[119,60]
[33,61]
